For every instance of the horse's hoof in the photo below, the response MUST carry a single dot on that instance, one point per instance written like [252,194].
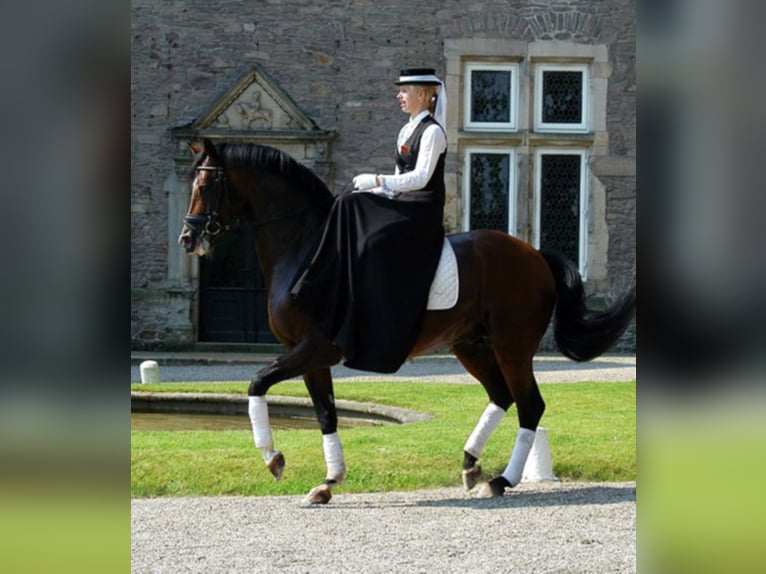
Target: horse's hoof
[276,465]
[319,495]
[494,488]
[471,477]
[498,485]
[484,491]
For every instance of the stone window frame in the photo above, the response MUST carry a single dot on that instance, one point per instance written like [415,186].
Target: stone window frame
[480,66]
[526,140]
[512,182]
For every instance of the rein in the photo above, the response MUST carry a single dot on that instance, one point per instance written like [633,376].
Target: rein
[289,214]
[298,212]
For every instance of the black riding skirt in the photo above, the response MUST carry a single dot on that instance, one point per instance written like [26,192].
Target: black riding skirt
[368,282]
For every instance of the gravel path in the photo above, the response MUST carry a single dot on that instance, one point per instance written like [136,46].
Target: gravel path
[539,527]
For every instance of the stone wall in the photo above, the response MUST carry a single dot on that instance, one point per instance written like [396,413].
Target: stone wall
[338,62]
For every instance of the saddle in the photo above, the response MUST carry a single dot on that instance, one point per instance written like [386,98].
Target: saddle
[445,285]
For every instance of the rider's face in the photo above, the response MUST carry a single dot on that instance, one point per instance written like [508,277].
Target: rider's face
[411,99]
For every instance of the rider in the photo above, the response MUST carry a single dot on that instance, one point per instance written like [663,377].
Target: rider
[368,282]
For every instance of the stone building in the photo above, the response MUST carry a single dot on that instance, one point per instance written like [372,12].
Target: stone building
[541,131]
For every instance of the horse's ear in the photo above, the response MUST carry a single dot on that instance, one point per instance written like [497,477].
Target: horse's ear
[194,149]
[210,150]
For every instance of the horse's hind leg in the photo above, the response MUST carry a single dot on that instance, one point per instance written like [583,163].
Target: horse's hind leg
[479,360]
[517,370]
[319,385]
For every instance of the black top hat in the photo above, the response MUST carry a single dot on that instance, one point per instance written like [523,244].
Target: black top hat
[425,76]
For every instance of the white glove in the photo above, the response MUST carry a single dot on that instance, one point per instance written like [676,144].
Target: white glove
[365,181]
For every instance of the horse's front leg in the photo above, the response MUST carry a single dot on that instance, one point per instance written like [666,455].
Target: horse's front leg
[299,359]
[319,385]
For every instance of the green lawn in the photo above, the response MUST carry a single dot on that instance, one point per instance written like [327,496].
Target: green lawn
[591,431]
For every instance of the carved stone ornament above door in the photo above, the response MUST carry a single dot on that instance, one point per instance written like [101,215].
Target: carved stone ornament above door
[256,109]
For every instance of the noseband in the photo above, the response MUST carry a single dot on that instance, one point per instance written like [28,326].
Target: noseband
[209,223]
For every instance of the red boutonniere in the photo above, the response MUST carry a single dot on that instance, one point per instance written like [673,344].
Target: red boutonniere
[405,149]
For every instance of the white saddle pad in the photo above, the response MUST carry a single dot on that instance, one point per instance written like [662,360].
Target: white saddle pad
[444,289]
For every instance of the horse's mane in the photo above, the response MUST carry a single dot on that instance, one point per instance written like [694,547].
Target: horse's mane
[269,159]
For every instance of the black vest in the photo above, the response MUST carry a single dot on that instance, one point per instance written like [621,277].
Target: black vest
[407,159]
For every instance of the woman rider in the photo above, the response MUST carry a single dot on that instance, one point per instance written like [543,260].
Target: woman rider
[368,282]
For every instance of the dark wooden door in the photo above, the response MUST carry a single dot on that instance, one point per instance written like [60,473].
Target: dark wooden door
[232,299]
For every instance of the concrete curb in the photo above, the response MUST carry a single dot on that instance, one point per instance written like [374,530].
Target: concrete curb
[226,403]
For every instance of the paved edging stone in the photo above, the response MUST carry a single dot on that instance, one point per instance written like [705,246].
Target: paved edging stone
[231,403]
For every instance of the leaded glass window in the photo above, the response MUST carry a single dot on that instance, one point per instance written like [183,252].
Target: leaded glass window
[561,195]
[562,97]
[491,96]
[561,102]
[488,198]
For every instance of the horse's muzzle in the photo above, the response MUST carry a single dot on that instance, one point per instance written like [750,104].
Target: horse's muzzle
[187,239]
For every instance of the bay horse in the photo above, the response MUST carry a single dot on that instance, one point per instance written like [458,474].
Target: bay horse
[507,296]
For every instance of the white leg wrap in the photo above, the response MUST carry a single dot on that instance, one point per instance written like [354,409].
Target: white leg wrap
[333,456]
[489,421]
[258,409]
[524,440]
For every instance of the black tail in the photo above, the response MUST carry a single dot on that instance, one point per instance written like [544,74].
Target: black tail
[580,334]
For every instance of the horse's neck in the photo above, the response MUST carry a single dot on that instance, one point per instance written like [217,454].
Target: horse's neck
[287,221]
[285,244]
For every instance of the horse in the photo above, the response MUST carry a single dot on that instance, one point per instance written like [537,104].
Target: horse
[509,293]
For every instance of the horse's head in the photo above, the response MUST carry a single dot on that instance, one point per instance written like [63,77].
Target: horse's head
[210,198]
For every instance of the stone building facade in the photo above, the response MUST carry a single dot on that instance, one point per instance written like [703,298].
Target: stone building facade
[315,78]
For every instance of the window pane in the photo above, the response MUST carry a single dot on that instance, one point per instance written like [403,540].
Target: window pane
[560,204]
[490,173]
[490,96]
[562,97]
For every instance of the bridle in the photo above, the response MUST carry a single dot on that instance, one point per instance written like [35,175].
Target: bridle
[209,222]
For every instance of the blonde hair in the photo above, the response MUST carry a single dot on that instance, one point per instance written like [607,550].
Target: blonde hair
[430,91]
